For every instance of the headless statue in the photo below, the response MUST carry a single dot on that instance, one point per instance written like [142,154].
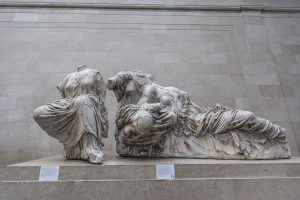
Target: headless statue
[79,119]
[157,121]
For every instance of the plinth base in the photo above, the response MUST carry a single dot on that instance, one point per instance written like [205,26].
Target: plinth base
[130,178]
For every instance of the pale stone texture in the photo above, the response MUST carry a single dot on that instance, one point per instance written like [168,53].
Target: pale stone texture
[157,121]
[79,119]
[251,57]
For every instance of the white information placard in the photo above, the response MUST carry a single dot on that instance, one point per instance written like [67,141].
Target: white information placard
[26,17]
[49,173]
[165,172]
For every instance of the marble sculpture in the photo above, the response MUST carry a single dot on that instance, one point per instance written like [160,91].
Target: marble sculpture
[157,121]
[79,119]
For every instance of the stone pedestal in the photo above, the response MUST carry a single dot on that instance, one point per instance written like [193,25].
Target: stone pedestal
[130,178]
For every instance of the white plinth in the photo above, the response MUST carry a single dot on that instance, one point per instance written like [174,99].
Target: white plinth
[133,178]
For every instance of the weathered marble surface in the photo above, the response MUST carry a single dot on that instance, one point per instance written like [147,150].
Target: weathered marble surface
[79,119]
[157,121]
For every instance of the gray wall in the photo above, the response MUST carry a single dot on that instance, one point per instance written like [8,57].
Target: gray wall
[241,58]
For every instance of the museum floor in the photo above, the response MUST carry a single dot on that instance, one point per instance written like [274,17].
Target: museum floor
[130,178]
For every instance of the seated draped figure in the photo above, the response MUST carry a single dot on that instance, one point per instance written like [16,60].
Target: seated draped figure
[157,121]
[79,119]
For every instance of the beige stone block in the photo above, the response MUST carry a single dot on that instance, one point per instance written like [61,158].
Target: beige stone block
[283,189]
[265,68]
[293,68]
[267,79]
[285,58]
[270,91]
[256,33]
[215,58]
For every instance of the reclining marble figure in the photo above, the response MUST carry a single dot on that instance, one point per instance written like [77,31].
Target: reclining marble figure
[157,121]
[79,119]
